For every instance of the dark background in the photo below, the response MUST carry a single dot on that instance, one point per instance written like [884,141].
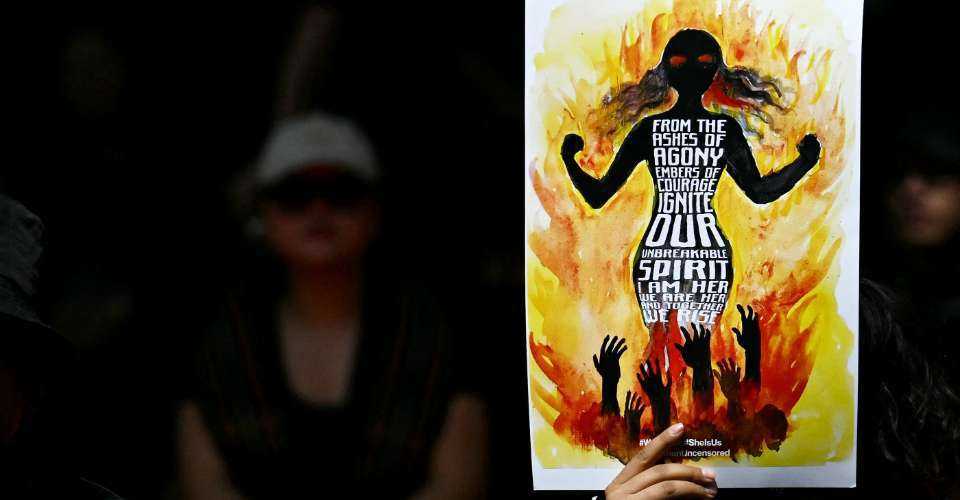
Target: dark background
[126,128]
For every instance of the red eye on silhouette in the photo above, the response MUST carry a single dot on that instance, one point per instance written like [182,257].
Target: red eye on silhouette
[706,58]
[677,60]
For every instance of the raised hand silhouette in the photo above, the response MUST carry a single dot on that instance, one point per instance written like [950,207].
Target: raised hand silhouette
[696,354]
[728,376]
[809,149]
[608,366]
[658,393]
[749,339]
[573,144]
[632,411]
[696,348]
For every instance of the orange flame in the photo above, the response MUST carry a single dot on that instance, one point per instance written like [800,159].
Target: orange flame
[785,253]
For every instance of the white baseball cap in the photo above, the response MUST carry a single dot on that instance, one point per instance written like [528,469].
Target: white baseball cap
[316,139]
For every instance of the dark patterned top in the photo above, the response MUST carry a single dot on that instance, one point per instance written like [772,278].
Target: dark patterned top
[276,445]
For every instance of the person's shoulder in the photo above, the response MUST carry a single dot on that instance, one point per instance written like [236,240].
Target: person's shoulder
[421,297]
[647,121]
[644,127]
[732,128]
[730,123]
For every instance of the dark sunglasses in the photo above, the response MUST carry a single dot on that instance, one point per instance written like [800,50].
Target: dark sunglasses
[297,192]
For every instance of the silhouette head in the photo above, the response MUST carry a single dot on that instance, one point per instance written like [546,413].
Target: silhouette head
[773,426]
[691,58]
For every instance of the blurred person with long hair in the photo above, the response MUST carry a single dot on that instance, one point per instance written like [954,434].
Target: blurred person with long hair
[330,371]
[923,205]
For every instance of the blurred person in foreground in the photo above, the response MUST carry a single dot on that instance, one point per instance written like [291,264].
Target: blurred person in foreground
[330,373]
[34,364]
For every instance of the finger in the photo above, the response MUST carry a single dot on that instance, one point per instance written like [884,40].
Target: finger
[620,346]
[649,454]
[676,489]
[750,309]
[596,363]
[603,347]
[686,336]
[627,402]
[612,347]
[717,375]
[736,332]
[621,351]
[679,348]
[669,472]
[742,313]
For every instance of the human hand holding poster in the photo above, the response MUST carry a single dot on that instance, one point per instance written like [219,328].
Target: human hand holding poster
[692,237]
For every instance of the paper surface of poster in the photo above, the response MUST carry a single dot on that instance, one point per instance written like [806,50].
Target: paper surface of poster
[692,201]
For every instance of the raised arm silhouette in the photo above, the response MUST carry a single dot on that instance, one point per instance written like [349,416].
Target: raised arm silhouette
[608,366]
[696,354]
[658,392]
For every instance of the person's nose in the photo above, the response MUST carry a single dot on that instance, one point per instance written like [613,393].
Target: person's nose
[320,207]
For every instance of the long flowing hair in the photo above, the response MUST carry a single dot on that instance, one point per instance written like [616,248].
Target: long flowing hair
[734,87]
[912,408]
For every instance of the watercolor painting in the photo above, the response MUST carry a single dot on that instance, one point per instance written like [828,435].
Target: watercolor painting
[692,176]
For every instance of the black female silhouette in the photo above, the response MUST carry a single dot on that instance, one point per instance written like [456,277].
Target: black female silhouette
[684,262]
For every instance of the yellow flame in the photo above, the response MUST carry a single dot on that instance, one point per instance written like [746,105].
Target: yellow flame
[785,253]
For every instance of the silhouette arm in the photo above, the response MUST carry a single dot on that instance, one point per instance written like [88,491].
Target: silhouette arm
[657,392]
[749,339]
[728,375]
[595,191]
[608,366]
[762,189]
